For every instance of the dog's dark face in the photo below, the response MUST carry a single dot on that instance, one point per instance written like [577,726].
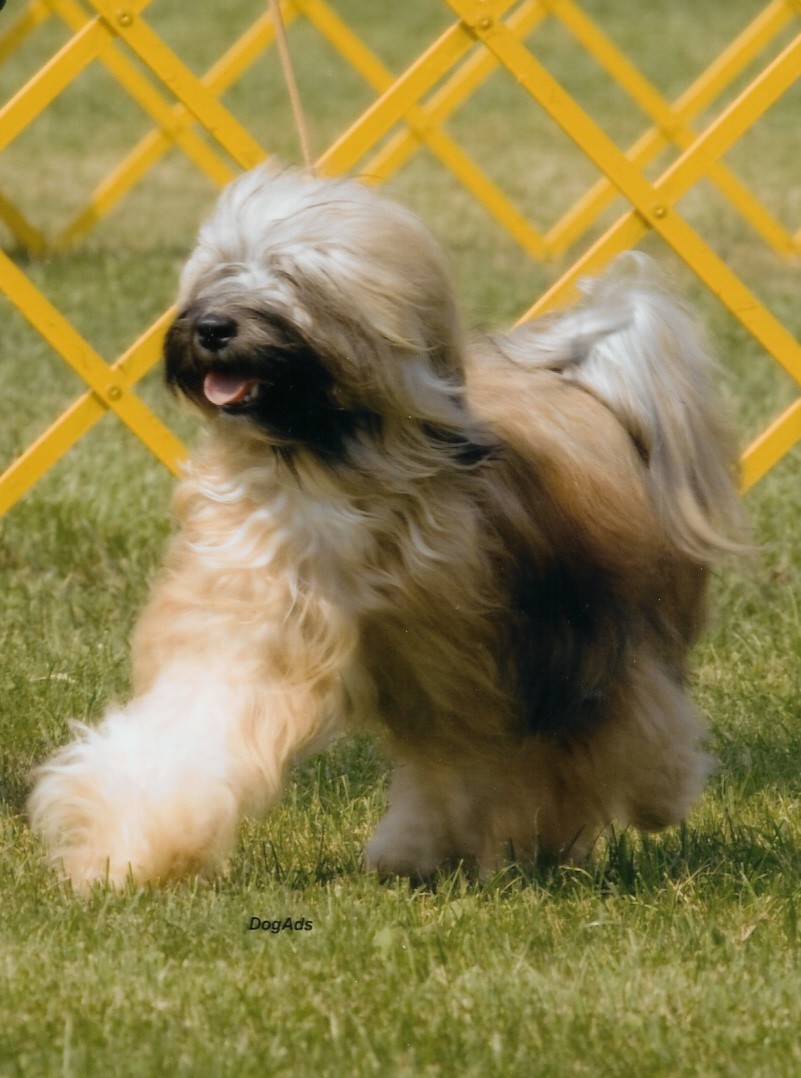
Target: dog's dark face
[257,365]
[314,312]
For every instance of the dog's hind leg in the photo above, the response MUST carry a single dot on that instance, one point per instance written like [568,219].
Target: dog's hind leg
[483,811]
[644,765]
[649,763]
[158,789]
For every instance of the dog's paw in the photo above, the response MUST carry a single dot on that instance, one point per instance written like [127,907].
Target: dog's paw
[118,807]
[396,850]
[94,840]
[78,828]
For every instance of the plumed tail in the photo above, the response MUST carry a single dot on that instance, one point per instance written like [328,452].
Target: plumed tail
[637,348]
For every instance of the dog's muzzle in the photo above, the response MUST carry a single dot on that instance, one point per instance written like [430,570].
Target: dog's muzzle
[213,334]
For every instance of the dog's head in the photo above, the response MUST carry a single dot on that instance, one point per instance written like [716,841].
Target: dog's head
[313,310]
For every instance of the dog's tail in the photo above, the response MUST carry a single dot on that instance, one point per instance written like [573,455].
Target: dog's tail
[637,347]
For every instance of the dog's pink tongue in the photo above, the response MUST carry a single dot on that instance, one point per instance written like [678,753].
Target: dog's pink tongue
[223,389]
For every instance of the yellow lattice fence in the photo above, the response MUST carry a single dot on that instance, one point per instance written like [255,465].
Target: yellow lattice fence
[409,111]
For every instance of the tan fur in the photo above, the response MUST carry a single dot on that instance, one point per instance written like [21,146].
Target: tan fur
[501,539]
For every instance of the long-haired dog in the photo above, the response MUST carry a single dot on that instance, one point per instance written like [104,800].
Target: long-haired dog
[495,553]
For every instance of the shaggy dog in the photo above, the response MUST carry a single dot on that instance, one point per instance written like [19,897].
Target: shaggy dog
[493,552]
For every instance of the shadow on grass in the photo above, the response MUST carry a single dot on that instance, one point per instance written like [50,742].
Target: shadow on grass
[737,864]
[730,856]
[757,760]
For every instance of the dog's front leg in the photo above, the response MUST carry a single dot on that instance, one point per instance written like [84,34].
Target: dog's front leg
[417,835]
[158,789]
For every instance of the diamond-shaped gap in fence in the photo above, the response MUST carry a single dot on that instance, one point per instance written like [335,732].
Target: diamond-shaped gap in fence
[377,27]
[773,139]
[524,151]
[332,92]
[716,56]
[26,43]
[471,238]
[182,30]
[578,69]
[29,36]
[46,389]
[50,170]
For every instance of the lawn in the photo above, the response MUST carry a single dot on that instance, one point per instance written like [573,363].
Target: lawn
[672,955]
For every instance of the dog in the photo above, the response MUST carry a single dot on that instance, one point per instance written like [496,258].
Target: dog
[492,551]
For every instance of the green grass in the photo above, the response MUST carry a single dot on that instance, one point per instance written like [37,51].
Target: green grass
[675,955]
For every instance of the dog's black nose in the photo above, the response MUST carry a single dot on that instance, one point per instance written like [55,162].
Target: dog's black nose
[214,331]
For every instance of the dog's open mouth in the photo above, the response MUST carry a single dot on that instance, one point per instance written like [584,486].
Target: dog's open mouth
[229,391]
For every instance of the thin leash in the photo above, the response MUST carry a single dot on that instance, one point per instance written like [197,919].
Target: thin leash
[291,84]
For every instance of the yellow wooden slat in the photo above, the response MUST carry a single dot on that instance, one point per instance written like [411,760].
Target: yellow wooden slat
[104,381]
[29,237]
[151,147]
[81,416]
[700,94]
[182,82]
[721,134]
[772,445]
[407,91]
[13,36]
[50,81]
[423,130]
[674,129]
